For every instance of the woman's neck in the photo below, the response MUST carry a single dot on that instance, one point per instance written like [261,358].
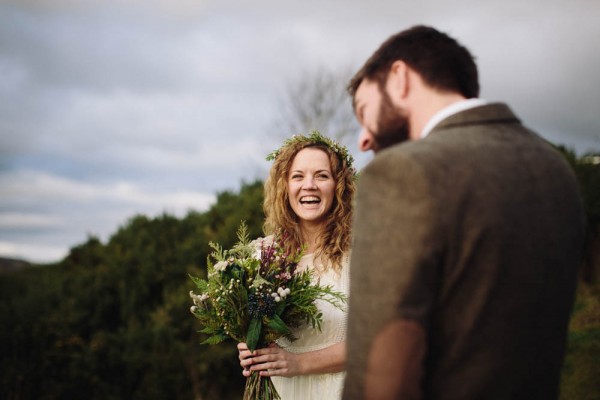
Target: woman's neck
[310,234]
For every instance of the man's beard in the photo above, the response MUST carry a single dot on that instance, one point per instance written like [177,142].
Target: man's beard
[392,124]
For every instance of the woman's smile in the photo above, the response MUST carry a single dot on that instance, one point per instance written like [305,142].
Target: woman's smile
[310,201]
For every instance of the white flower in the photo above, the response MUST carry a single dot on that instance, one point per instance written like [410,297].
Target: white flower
[283,292]
[193,309]
[221,265]
[277,299]
[260,243]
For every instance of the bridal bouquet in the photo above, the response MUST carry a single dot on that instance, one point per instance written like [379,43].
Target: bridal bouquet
[254,294]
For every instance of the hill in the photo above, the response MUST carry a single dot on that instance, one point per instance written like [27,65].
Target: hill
[12,264]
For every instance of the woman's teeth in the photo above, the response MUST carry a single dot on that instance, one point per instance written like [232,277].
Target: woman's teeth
[310,200]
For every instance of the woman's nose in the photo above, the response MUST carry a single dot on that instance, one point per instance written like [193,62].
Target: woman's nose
[309,183]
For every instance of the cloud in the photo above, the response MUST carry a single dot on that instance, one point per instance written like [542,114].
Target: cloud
[544,69]
[35,252]
[36,186]
[61,212]
[123,107]
[15,220]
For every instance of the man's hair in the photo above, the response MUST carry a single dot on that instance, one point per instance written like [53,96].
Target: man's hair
[441,61]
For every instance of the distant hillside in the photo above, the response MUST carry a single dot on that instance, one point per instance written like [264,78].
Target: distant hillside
[12,264]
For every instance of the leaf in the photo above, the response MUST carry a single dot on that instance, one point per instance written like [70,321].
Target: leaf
[215,339]
[218,253]
[242,233]
[280,307]
[208,330]
[258,281]
[200,283]
[253,333]
[278,325]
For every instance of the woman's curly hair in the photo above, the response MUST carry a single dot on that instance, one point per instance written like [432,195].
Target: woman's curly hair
[334,241]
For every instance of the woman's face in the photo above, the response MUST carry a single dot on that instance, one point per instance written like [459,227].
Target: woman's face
[311,185]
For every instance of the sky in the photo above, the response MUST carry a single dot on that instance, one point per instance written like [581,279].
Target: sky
[110,109]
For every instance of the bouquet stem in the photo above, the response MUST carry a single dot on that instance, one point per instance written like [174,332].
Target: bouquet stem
[260,388]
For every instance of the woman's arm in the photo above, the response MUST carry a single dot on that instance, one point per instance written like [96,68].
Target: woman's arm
[275,361]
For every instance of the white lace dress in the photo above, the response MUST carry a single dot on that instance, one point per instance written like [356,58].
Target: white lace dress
[318,386]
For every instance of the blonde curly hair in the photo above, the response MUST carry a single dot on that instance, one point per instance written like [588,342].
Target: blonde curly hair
[334,241]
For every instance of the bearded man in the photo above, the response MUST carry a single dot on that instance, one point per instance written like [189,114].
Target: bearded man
[468,234]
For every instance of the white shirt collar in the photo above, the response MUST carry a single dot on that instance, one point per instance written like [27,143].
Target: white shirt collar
[452,109]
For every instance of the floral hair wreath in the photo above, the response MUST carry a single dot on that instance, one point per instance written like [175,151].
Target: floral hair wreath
[315,137]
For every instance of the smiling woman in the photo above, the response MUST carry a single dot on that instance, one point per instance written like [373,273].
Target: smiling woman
[333,241]
[308,197]
[311,188]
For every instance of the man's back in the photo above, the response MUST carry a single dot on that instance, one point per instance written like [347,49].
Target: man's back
[486,264]
[514,226]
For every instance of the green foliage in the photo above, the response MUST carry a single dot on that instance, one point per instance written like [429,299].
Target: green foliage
[112,321]
[247,291]
[587,171]
[254,333]
[581,369]
[315,137]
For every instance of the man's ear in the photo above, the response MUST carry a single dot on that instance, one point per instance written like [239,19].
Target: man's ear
[398,84]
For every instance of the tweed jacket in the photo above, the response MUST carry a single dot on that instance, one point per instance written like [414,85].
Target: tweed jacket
[475,232]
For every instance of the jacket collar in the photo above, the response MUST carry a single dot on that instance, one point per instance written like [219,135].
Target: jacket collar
[491,113]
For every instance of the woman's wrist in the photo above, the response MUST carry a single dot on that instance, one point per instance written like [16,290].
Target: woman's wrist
[301,363]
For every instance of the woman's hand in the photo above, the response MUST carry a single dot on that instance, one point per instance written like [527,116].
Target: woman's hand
[269,361]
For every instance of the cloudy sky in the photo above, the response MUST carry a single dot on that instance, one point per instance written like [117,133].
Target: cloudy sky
[110,109]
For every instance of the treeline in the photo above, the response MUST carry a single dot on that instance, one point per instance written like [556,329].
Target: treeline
[112,320]
[581,371]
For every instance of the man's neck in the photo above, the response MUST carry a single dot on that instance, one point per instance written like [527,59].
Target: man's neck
[425,105]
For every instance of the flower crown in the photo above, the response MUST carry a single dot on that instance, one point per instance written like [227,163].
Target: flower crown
[315,137]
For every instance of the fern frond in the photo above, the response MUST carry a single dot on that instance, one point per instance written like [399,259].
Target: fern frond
[218,252]
[215,339]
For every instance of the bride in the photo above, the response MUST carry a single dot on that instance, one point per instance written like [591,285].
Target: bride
[308,195]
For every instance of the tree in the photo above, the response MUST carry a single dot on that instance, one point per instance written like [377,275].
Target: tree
[317,99]
[112,321]
[581,369]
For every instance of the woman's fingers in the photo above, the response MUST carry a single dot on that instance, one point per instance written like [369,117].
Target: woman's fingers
[268,361]
[243,352]
[268,366]
[245,357]
[264,358]
[249,358]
